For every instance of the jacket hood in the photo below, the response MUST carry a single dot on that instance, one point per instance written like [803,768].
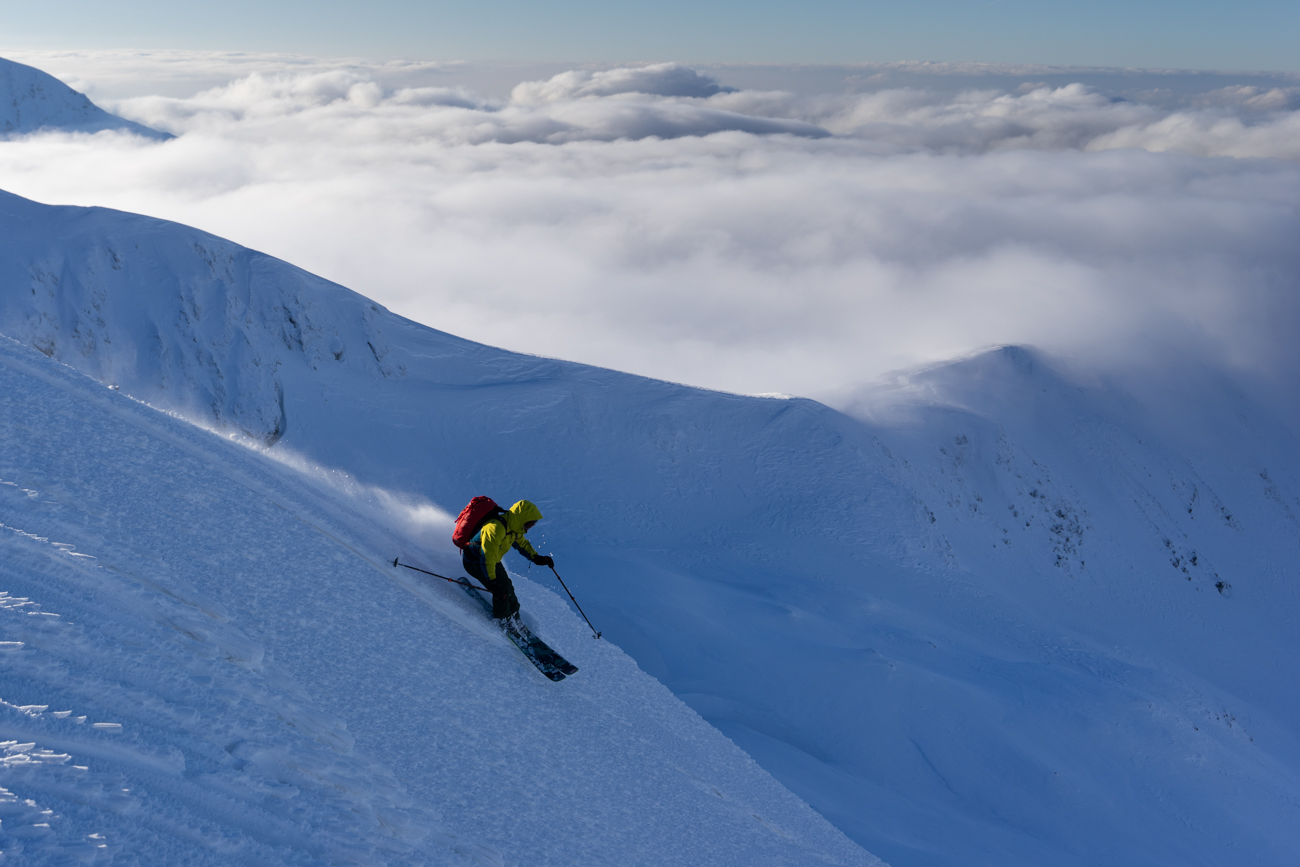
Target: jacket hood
[521,513]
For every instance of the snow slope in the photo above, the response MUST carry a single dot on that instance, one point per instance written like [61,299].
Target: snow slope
[998,616]
[31,100]
[206,661]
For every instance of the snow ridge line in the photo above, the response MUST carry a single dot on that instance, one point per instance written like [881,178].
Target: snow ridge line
[193,627]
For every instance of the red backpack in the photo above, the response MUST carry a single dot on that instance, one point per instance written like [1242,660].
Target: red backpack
[472,517]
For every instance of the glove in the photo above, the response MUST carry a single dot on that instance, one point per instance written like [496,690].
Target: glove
[543,560]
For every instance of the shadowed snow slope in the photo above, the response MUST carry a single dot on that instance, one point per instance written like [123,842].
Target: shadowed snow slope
[998,618]
[203,662]
[31,100]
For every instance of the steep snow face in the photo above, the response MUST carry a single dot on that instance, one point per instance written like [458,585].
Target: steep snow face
[1000,617]
[201,324]
[205,661]
[31,100]
[1131,568]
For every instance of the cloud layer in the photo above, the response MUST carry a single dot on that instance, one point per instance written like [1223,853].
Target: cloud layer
[652,219]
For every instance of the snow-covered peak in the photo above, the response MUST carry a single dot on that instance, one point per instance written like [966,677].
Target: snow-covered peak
[31,100]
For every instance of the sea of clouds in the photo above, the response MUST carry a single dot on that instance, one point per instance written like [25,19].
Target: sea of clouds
[682,224]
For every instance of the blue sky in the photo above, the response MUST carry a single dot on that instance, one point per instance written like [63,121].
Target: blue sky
[1261,34]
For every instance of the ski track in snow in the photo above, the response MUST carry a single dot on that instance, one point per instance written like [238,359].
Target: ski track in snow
[202,665]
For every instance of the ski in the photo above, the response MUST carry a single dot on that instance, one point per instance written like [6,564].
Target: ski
[538,652]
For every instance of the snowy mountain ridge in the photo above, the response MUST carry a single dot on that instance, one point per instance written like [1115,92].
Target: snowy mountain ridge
[1001,617]
[205,662]
[31,101]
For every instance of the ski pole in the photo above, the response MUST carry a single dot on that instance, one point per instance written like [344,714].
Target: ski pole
[595,634]
[436,575]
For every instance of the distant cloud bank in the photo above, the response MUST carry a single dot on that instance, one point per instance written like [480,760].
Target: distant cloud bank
[659,219]
[669,100]
[660,101]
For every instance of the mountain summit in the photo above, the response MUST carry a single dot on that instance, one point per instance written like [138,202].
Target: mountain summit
[31,101]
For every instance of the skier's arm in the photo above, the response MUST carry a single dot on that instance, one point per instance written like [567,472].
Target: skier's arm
[525,547]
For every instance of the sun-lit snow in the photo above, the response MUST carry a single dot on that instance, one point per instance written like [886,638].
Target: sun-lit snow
[33,101]
[1000,615]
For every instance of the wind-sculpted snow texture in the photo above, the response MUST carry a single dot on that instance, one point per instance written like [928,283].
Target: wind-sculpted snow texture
[31,100]
[203,663]
[1000,617]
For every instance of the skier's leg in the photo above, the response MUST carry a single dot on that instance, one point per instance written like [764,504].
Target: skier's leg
[472,559]
[504,602]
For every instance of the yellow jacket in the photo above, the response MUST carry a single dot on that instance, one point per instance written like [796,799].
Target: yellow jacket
[499,535]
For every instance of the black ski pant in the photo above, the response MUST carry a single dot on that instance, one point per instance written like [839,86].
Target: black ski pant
[504,602]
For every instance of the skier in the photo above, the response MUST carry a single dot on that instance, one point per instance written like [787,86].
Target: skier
[482,555]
